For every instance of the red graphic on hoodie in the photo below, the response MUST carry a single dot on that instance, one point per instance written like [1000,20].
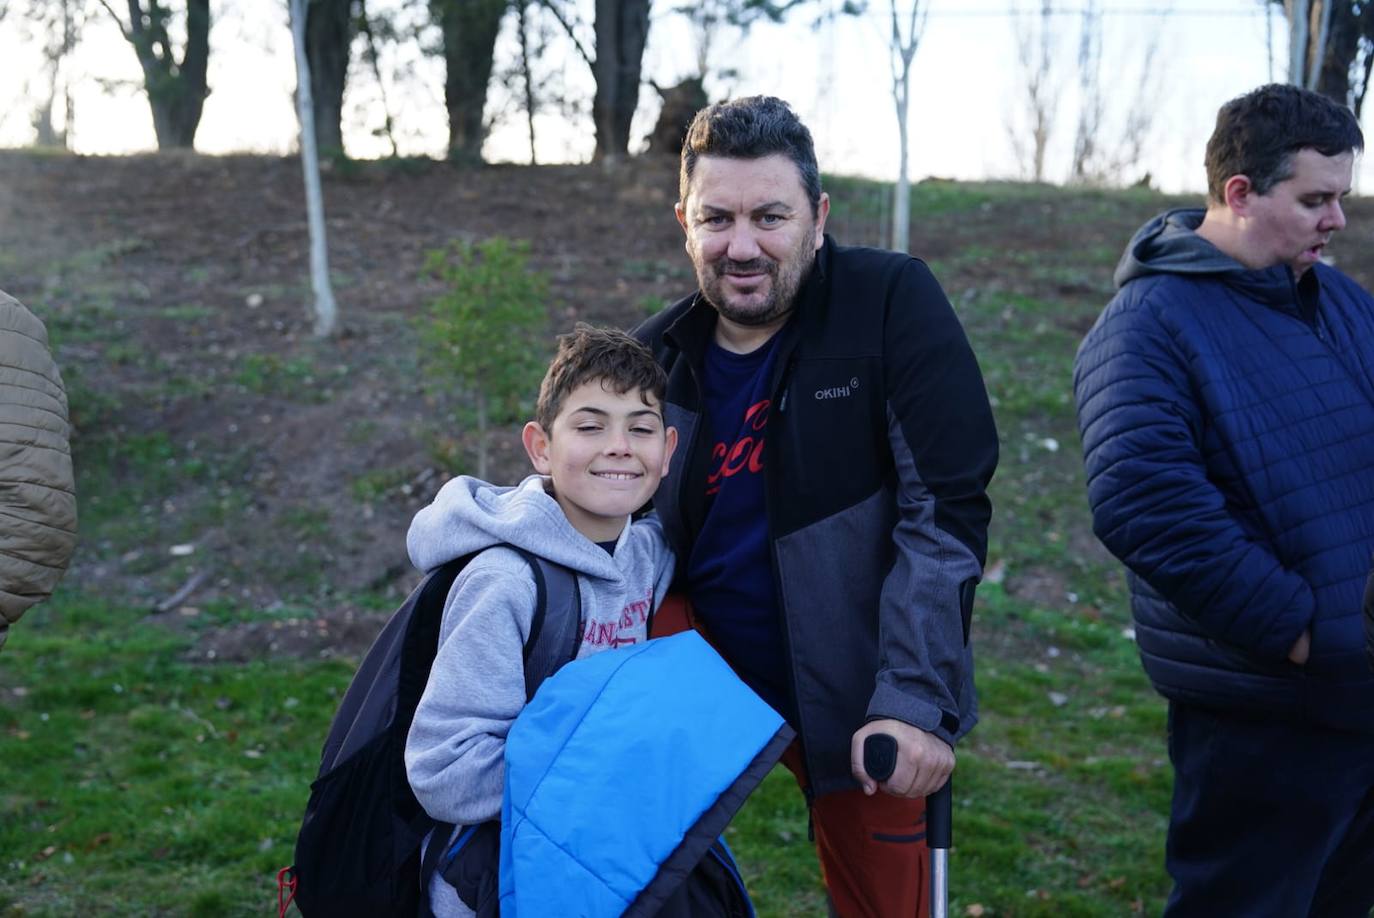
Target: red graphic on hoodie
[745,454]
[626,628]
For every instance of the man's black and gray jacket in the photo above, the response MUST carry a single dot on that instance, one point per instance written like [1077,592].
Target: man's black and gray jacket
[880,447]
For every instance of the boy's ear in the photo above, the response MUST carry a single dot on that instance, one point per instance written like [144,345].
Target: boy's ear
[536,446]
[669,444]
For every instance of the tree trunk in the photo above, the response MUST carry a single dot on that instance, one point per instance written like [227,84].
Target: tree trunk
[469,28]
[325,308]
[1342,47]
[1362,90]
[373,55]
[1317,41]
[1298,23]
[901,51]
[1326,38]
[59,47]
[176,91]
[622,28]
[901,194]
[526,74]
[328,38]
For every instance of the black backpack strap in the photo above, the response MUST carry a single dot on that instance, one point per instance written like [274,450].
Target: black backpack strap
[556,628]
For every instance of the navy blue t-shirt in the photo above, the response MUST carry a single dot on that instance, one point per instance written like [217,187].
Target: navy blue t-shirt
[730,571]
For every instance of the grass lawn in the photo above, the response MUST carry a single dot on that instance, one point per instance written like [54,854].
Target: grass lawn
[139,782]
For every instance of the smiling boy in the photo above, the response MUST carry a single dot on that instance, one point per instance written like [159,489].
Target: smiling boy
[599,446]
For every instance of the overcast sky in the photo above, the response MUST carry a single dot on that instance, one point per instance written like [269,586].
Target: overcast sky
[966,100]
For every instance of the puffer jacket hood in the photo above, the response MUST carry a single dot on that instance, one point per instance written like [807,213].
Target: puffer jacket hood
[469,515]
[622,772]
[1169,244]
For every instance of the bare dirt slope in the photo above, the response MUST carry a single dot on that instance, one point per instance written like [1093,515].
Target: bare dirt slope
[176,290]
[222,446]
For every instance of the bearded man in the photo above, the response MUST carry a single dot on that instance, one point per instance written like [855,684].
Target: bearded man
[829,508]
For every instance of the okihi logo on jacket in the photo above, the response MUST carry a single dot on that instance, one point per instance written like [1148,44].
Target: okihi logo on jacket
[838,391]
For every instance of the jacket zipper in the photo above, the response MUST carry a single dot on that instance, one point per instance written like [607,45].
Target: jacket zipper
[785,629]
[1318,328]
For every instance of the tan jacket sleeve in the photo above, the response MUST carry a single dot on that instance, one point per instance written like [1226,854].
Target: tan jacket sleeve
[37,491]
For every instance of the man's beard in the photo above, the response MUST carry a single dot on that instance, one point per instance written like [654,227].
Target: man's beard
[784,282]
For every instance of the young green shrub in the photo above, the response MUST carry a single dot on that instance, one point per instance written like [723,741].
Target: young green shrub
[486,338]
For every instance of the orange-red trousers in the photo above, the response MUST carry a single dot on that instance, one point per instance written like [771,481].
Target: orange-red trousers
[872,850]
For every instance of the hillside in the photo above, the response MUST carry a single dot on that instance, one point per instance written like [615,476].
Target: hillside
[224,453]
[176,289]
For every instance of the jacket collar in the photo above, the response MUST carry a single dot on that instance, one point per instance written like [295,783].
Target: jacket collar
[1277,288]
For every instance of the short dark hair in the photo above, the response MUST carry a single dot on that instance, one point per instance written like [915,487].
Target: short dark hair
[587,354]
[1258,133]
[751,128]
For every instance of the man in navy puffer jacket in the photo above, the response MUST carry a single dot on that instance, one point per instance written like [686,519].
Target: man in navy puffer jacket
[1226,403]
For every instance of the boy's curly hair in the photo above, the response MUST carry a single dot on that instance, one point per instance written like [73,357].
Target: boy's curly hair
[586,354]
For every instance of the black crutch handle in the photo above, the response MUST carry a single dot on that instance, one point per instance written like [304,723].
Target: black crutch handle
[880,760]
[880,755]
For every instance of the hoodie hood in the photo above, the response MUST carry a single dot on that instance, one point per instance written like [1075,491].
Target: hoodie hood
[1169,244]
[469,515]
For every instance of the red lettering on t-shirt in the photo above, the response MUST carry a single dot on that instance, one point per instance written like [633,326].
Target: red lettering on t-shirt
[757,415]
[745,454]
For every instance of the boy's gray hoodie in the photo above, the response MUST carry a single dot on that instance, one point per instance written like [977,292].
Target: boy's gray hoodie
[454,753]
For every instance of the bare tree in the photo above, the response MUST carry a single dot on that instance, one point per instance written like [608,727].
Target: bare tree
[902,45]
[1035,60]
[373,56]
[1269,37]
[528,78]
[329,29]
[1138,125]
[621,31]
[1113,130]
[1298,26]
[681,102]
[1090,101]
[522,9]
[469,30]
[711,19]
[176,88]
[325,309]
[1331,47]
[56,26]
